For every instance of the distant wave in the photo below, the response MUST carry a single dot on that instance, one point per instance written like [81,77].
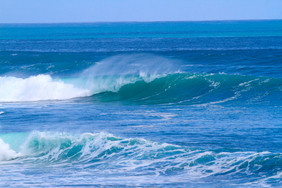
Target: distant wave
[133,155]
[142,79]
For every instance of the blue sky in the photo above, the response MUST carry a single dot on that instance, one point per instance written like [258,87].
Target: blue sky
[51,11]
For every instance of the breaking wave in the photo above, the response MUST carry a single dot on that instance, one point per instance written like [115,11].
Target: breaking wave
[135,156]
[141,79]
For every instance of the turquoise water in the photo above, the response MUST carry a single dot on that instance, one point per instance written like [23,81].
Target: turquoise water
[166,104]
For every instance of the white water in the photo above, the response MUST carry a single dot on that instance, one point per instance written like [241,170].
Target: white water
[35,88]
[6,153]
[132,153]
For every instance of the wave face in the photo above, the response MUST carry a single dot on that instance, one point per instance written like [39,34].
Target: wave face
[107,154]
[143,79]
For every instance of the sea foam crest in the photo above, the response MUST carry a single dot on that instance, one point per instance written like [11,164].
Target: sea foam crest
[6,153]
[34,88]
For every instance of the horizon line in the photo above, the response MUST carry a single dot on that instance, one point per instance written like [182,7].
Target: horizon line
[90,22]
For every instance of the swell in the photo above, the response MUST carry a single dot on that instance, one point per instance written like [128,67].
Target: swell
[104,151]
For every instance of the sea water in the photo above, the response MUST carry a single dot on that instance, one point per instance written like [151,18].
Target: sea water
[176,104]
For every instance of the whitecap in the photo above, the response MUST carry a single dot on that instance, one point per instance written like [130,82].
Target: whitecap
[6,153]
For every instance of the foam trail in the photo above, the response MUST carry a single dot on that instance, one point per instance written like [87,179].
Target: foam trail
[35,88]
[6,153]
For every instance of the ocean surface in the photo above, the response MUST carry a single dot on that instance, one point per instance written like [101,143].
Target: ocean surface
[165,104]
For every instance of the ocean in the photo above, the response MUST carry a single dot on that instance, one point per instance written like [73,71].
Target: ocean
[160,104]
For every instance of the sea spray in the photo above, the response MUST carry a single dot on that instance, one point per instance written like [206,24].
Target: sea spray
[114,72]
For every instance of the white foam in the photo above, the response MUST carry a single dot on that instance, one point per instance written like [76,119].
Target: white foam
[6,153]
[35,88]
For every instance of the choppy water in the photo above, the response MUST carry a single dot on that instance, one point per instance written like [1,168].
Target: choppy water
[141,104]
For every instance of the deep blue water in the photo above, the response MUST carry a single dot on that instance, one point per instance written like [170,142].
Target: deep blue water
[176,104]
